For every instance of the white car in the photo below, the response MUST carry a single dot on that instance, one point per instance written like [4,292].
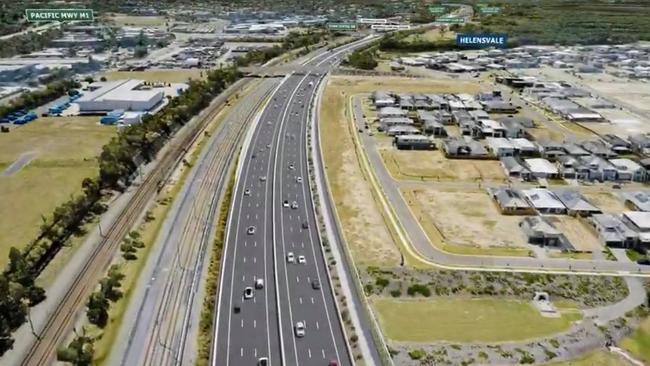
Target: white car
[259,283]
[301,259]
[248,293]
[251,230]
[290,257]
[299,179]
[294,204]
[300,329]
[247,192]
[263,178]
[285,204]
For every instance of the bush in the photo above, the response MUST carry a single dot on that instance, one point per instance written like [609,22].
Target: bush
[417,354]
[418,289]
[396,293]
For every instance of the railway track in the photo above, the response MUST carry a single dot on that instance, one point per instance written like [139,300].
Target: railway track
[61,321]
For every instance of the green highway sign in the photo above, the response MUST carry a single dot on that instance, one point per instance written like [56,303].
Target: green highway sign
[342,26]
[437,9]
[59,15]
[448,19]
[489,10]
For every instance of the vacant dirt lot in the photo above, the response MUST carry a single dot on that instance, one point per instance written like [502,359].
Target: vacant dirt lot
[605,201]
[470,218]
[579,234]
[359,84]
[358,212]
[433,165]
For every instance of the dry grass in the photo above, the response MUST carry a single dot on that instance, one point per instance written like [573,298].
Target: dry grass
[358,212]
[143,21]
[606,202]
[433,165]
[474,228]
[66,148]
[359,84]
[580,235]
[162,75]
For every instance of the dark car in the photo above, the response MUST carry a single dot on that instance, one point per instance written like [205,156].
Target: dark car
[305,225]
[315,284]
[236,309]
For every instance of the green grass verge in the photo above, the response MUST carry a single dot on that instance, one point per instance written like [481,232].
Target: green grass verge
[465,320]
[207,311]
[638,343]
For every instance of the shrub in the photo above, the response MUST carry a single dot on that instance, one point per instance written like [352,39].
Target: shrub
[417,354]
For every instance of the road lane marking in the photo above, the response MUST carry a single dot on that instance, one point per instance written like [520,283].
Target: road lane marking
[309,351]
[243,278]
[322,352]
[244,259]
[300,299]
[255,326]
[297,279]
[312,300]
[242,323]
[254,259]
[241,352]
[317,325]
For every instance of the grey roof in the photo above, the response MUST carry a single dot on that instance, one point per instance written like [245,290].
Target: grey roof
[538,226]
[523,121]
[640,199]
[512,164]
[574,201]
[508,198]
[452,145]
[612,228]
[598,148]
[574,149]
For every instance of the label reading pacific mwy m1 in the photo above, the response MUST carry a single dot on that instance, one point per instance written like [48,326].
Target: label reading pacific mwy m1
[60,15]
[481,40]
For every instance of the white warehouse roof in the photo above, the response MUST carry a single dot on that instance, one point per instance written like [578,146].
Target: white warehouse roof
[119,94]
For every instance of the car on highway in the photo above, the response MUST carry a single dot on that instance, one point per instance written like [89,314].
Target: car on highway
[268,146]
[291,166]
[247,192]
[253,156]
[305,225]
[315,284]
[294,205]
[262,361]
[333,363]
[290,257]
[285,204]
[250,230]
[263,178]
[300,329]
[259,283]
[299,179]
[236,308]
[248,293]
[301,259]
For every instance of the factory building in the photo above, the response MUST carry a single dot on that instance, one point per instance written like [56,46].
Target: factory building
[129,95]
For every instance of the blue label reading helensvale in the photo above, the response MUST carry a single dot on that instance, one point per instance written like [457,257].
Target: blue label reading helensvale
[481,40]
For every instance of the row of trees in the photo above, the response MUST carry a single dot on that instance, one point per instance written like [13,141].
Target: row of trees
[363,59]
[118,164]
[292,41]
[98,302]
[33,99]
[28,42]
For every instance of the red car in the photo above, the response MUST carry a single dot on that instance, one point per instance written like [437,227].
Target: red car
[333,363]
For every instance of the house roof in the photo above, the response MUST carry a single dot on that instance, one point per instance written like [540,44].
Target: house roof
[626,165]
[538,165]
[542,198]
[573,200]
[539,225]
[613,229]
[508,198]
[512,164]
[640,199]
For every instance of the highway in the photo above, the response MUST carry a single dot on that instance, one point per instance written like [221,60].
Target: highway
[271,218]
[160,324]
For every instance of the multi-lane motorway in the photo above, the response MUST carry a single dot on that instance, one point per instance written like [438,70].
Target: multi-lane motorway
[272,237]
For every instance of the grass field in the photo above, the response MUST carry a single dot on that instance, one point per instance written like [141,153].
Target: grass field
[163,75]
[639,342]
[358,212]
[431,35]
[465,320]
[65,149]
[597,358]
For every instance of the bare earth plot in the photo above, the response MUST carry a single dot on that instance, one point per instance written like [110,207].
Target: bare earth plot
[465,320]
[366,233]
[433,165]
[162,75]
[358,84]
[466,222]
[579,234]
[66,150]
[143,21]
[605,201]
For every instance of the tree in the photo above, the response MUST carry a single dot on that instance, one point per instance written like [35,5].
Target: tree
[111,283]
[97,311]
[89,79]
[79,352]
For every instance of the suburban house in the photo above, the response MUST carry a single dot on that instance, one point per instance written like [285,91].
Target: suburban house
[387,112]
[572,168]
[598,169]
[524,146]
[414,142]
[382,99]
[463,147]
[514,168]
[500,146]
[640,143]
[499,106]
[575,203]
[510,202]
[490,128]
[542,168]
[639,222]
[639,200]
[599,149]
[544,201]
[402,130]
[539,231]
[617,144]
[613,232]
[435,128]
[575,150]
[629,170]
[388,122]
[551,149]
